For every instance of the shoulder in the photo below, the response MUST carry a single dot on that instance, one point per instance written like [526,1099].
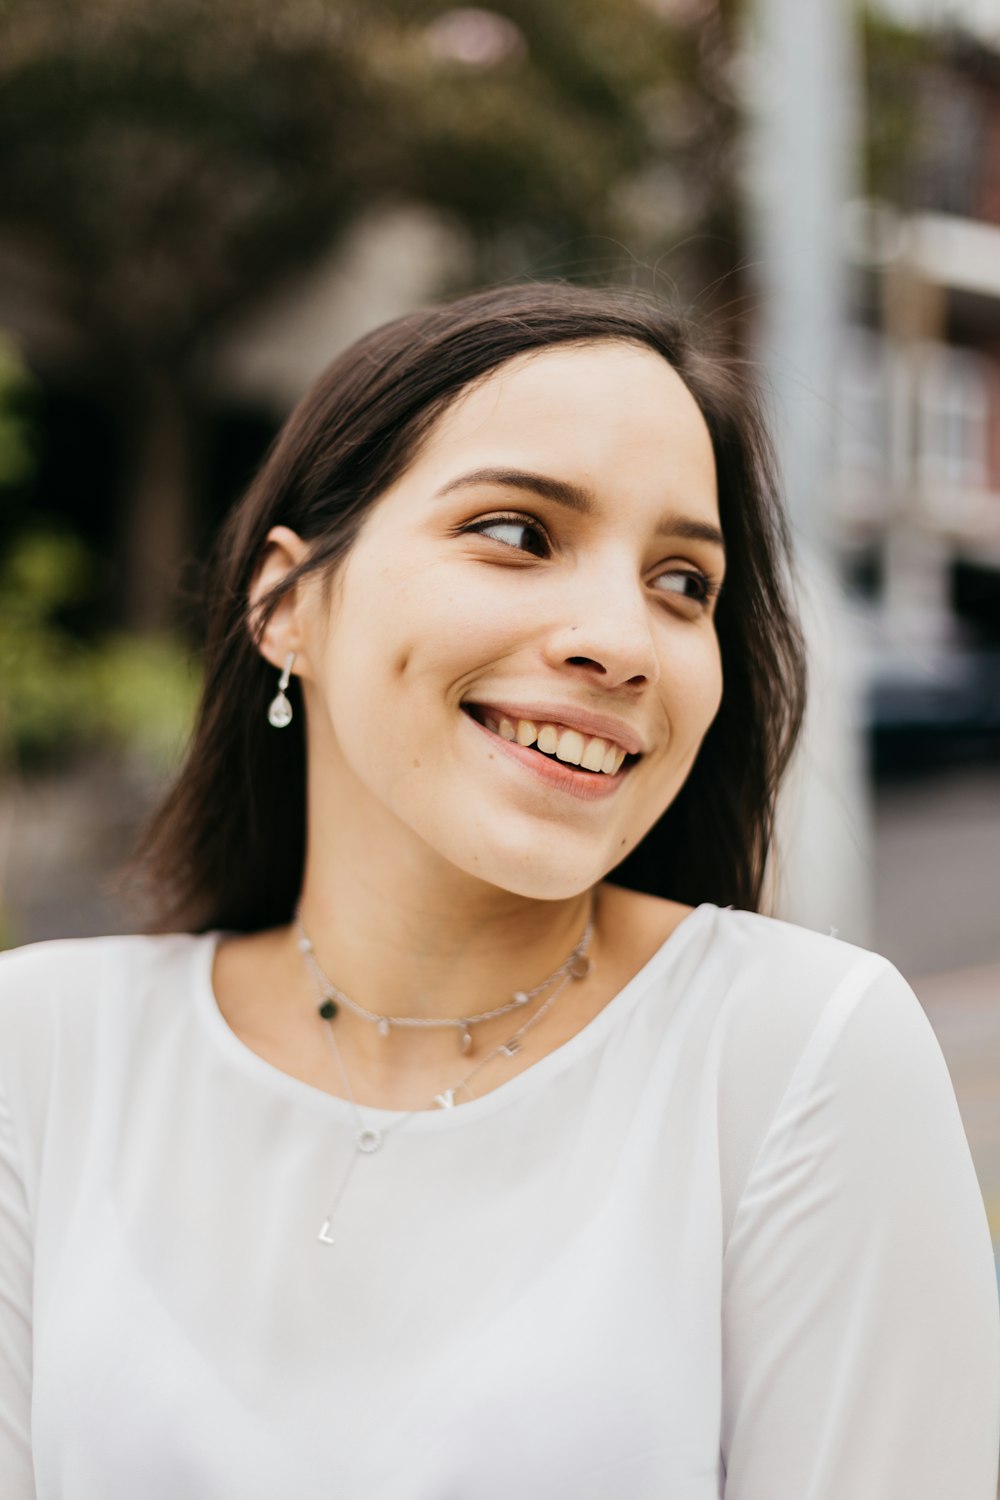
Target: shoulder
[845,1084]
[797,997]
[763,953]
[61,994]
[767,981]
[766,941]
[78,969]
[76,1013]
[804,1025]
[781,971]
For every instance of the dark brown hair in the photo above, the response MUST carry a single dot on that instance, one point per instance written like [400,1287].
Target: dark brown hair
[226,848]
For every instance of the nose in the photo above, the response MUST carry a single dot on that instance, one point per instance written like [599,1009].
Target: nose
[604,630]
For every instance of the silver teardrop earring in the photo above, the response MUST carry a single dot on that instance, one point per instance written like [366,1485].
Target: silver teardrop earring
[279,712]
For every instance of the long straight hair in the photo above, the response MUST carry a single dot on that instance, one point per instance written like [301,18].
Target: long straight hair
[226,848]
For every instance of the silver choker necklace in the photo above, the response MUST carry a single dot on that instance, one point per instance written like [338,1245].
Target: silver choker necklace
[576,966]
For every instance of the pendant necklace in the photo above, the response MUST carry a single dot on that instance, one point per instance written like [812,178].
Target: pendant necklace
[368,1138]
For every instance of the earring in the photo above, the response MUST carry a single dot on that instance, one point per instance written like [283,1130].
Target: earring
[279,713]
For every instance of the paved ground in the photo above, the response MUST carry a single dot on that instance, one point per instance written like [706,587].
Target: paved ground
[936,871]
[63,841]
[964,1009]
[937,916]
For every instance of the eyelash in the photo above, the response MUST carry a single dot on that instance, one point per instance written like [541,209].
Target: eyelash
[708,586]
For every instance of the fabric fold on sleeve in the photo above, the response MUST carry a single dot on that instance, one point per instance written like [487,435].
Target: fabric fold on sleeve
[860,1321]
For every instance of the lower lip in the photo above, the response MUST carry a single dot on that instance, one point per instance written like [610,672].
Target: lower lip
[589,786]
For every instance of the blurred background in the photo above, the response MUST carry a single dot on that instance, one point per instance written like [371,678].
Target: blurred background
[199,205]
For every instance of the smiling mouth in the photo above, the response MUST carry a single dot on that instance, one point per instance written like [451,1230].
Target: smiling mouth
[588,755]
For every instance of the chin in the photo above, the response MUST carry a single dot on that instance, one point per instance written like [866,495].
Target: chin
[550,889]
[550,874]
[539,859]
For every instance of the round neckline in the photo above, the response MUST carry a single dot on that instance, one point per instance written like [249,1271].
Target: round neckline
[249,1062]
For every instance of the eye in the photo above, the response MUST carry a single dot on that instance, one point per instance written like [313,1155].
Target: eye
[690,584]
[517,532]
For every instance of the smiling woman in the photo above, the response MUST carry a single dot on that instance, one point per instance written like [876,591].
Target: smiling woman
[465,1128]
[353,441]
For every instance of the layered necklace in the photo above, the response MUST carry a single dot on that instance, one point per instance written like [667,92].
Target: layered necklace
[330,999]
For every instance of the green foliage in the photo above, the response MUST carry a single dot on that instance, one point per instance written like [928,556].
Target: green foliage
[58,694]
[181,157]
[43,689]
[144,691]
[172,161]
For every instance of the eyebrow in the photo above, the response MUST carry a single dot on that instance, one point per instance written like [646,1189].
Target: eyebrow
[575,497]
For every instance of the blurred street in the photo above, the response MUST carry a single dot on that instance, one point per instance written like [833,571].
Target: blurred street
[936,871]
[963,1009]
[937,916]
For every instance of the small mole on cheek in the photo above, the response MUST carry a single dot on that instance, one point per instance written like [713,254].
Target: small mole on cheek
[416,765]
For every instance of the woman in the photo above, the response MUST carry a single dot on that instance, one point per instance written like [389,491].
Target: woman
[462,1138]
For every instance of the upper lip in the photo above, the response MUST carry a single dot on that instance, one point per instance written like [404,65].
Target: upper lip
[584,719]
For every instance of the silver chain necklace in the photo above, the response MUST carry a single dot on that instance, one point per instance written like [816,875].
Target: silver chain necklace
[367,1138]
[577,965]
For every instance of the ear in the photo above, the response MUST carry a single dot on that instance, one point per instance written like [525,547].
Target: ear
[283,551]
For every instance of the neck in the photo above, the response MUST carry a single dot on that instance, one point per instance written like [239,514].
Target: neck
[431,956]
[405,932]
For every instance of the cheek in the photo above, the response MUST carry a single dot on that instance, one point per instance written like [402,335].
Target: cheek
[440,634]
[713,685]
[696,671]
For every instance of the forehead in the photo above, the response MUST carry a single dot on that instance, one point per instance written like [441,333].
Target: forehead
[599,412]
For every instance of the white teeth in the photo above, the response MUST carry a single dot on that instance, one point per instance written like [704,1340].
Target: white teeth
[570,746]
[594,755]
[548,739]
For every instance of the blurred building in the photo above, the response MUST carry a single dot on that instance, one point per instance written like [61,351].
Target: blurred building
[918,484]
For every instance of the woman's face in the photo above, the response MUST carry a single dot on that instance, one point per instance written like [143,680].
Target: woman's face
[519,660]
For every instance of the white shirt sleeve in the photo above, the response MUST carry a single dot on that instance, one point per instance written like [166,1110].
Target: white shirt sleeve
[16,1481]
[860,1319]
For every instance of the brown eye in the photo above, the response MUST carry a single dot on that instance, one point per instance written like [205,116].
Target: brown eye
[514,531]
[693,586]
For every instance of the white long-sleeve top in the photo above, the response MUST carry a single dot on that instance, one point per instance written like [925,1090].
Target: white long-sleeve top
[725,1241]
